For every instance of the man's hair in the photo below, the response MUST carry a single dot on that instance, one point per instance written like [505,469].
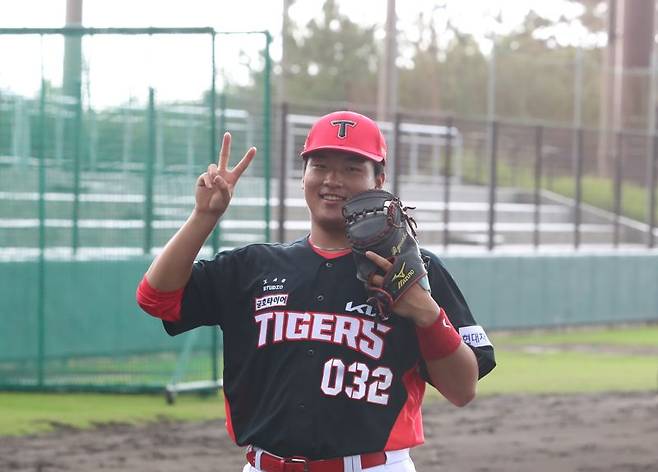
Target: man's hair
[379,167]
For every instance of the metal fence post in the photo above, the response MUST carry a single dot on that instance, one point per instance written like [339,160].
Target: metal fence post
[214,347]
[493,178]
[446,185]
[539,138]
[283,174]
[266,145]
[213,133]
[652,193]
[41,329]
[579,188]
[148,175]
[75,236]
[617,189]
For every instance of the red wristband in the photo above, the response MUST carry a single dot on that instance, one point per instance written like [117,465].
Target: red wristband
[163,305]
[438,340]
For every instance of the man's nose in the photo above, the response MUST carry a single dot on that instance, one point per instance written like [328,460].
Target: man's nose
[332,177]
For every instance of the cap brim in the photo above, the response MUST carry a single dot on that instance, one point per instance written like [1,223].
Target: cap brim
[358,152]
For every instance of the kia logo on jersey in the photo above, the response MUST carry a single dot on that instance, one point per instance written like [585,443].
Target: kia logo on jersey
[363,309]
[342,127]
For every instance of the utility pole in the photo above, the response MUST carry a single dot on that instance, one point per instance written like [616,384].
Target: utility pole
[72,51]
[285,39]
[387,92]
[627,86]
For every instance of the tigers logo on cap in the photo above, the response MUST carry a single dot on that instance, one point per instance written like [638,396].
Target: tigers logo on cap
[342,127]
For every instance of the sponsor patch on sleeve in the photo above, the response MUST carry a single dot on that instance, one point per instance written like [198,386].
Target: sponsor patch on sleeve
[474,336]
[268,301]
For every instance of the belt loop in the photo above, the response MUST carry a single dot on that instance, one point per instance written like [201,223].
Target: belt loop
[347,464]
[356,463]
[352,463]
[259,453]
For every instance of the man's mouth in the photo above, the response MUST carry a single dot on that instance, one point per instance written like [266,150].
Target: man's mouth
[332,197]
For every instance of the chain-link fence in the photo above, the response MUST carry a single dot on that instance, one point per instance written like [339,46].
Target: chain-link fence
[501,184]
[99,154]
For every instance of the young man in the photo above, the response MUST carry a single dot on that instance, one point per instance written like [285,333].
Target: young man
[312,381]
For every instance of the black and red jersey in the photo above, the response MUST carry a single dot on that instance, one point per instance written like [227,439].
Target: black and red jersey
[308,370]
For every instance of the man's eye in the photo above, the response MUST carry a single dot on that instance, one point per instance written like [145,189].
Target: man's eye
[354,169]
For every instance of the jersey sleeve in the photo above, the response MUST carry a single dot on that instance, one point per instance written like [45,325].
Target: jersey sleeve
[208,295]
[447,295]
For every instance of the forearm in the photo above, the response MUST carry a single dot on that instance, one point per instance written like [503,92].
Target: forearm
[171,269]
[451,364]
[455,375]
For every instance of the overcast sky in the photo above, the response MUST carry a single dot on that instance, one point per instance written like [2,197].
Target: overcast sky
[178,67]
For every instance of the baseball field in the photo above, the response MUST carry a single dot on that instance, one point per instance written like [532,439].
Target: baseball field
[578,400]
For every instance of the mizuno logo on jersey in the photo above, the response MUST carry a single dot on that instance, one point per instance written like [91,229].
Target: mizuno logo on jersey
[356,333]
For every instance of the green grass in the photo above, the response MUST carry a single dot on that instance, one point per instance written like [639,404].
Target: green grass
[599,192]
[569,372]
[645,336]
[546,371]
[29,413]
[596,191]
[558,371]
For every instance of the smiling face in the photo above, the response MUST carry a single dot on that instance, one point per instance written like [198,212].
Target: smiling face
[330,179]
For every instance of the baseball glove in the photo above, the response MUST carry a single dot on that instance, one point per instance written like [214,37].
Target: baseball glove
[376,221]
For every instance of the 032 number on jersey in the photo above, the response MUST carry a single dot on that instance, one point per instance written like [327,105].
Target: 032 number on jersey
[356,381]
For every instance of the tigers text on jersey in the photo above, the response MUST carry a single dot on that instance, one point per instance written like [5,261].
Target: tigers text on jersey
[308,370]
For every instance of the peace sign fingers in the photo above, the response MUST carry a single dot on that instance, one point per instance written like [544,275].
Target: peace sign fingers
[234,174]
[224,151]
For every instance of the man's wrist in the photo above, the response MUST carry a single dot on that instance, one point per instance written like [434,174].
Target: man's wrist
[427,315]
[205,218]
[426,318]
[439,339]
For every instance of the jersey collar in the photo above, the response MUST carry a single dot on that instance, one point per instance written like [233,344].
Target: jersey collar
[327,254]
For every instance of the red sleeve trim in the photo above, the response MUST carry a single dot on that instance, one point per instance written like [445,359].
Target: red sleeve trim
[439,339]
[163,305]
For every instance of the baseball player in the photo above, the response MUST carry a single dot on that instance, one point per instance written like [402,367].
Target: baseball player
[313,382]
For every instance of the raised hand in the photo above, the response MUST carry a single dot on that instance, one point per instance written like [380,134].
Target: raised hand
[214,188]
[416,303]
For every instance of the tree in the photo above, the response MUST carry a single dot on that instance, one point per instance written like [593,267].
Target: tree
[330,59]
[334,59]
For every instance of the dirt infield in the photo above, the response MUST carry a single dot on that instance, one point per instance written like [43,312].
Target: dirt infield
[510,433]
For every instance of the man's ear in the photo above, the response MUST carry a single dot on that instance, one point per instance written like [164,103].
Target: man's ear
[379,180]
[304,171]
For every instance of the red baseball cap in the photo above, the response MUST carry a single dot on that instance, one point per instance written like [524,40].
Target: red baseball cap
[347,131]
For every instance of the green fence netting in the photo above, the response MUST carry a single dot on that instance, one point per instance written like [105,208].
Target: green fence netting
[102,135]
